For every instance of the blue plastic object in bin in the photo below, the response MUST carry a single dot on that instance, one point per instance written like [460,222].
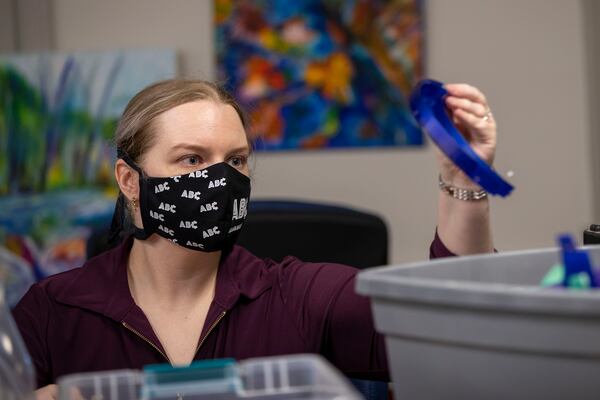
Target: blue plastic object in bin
[427,104]
[575,261]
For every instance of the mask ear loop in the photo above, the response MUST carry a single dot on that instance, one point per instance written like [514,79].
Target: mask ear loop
[118,219]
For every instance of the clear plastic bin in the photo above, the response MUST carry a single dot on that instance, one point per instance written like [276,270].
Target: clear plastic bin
[293,377]
[17,378]
[481,327]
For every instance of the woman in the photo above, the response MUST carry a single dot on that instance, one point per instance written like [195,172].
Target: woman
[179,290]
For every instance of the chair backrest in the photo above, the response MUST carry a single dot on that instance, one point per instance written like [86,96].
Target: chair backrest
[315,232]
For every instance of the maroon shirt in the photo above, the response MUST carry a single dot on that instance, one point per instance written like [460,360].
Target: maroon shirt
[86,319]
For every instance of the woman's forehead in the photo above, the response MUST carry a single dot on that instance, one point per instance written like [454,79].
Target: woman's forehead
[203,122]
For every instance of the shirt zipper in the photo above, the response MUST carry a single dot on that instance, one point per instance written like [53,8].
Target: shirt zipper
[130,328]
[212,327]
[209,331]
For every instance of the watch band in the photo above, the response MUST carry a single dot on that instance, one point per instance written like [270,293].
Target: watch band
[462,194]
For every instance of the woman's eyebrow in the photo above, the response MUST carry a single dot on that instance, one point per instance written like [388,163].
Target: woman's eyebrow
[241,149]
[188,146]
[199,148]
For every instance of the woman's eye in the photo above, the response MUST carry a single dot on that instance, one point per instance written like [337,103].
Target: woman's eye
[237,161]
[191,160]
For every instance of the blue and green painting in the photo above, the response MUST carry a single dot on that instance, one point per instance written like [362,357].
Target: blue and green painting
[58,114]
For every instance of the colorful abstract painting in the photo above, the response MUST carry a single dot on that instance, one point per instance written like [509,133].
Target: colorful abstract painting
[322,73]
[58,114]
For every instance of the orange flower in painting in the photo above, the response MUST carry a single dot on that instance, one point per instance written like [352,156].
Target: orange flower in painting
[333,76]
[261,77]
[317,141]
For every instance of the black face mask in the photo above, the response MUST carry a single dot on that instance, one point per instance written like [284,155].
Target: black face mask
[203,210]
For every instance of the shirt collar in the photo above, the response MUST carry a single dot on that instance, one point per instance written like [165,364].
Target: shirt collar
[101,285]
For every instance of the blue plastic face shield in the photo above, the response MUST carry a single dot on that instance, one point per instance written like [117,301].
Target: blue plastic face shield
[429,109]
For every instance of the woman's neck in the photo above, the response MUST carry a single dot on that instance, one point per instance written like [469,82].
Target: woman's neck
[161,272]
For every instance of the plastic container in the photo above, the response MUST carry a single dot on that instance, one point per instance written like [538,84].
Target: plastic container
[294,377]
[17,379]
[481,327]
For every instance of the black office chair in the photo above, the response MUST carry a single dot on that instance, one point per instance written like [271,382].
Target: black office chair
[320,233]
[592,234]
[315,232]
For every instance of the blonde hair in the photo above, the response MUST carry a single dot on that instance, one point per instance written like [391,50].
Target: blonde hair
[135,132]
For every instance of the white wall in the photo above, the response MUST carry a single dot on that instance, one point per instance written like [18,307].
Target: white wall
[185,25]
[7,26]
[527,56]
[26,25]
[591,11]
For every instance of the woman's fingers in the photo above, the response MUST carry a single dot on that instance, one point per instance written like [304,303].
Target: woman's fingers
[475,124]
[49,392]
[471,115]
[477,109]
[466,91]
[468,98]
[469,106]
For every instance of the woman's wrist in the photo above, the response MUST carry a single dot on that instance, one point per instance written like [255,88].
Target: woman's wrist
[459,180]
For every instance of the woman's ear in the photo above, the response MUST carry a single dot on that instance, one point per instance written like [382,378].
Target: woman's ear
[127,179]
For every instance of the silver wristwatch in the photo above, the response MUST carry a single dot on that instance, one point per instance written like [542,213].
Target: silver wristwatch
[462,194]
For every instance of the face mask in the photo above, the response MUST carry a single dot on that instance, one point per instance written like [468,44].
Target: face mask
[203,210]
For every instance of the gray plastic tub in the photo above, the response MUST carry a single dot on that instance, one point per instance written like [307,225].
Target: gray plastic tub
[481,327]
